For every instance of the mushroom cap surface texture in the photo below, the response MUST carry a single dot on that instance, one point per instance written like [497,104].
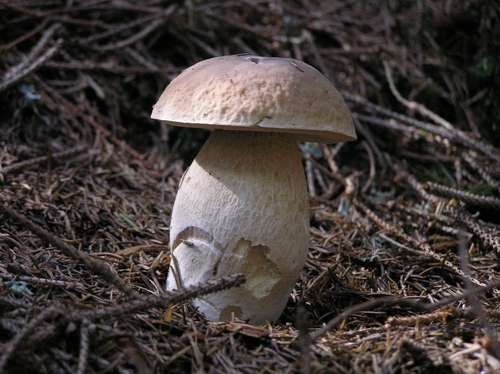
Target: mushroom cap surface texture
[256,93]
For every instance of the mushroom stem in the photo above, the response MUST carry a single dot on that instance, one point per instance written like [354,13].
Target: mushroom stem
[242,207]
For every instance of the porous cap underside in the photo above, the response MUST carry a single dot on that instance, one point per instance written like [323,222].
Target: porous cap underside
[255,93]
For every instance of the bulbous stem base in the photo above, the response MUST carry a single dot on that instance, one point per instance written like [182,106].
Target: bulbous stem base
[242,207]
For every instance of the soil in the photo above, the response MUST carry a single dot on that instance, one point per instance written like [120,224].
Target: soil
[402,274]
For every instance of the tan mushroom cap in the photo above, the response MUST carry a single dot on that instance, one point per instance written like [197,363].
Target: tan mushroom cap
[255,93]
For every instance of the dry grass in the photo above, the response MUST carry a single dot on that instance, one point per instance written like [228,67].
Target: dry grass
[402,274]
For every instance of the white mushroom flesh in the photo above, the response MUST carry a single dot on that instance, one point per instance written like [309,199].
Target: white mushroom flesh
[242,207]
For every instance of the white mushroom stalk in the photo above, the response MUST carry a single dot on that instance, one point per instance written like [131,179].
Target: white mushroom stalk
[242,206]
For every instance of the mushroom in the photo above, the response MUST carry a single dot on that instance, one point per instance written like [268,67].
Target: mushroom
[242,206]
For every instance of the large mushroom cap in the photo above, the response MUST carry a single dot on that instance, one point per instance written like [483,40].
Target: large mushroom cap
[257,94]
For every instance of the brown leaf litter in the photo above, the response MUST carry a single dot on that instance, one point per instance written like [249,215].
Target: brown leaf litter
[402,274]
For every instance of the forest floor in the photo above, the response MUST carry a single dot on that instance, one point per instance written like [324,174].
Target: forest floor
[403,272]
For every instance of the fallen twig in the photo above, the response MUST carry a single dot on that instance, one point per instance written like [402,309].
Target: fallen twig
[416,305]
[95,266]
